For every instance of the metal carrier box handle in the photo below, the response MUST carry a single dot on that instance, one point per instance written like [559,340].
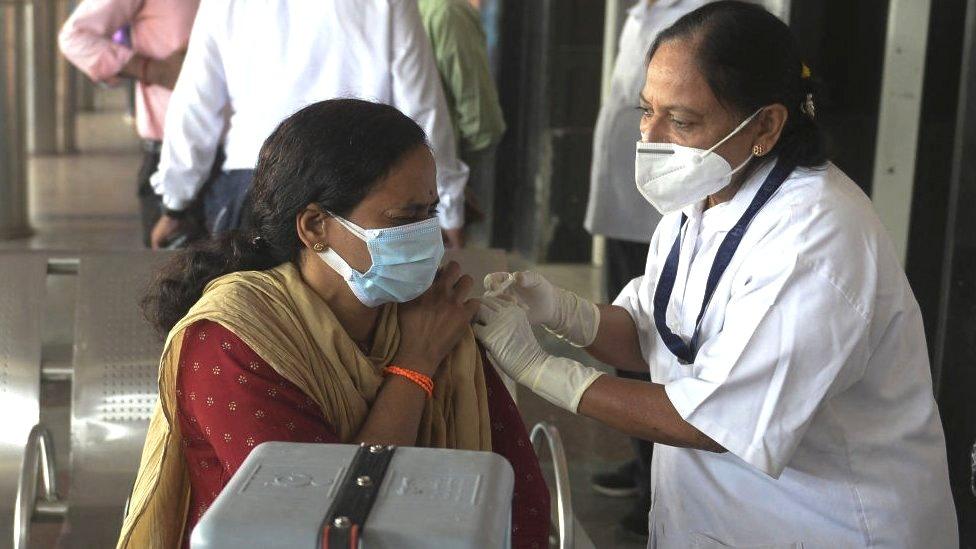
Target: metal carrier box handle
[345,520]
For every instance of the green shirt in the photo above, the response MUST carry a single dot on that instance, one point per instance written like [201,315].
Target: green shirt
[460,52]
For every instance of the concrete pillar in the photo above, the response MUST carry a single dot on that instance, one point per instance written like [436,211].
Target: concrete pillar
[67,88]
[898,120]
[13,174]
[42,103]
[85,92]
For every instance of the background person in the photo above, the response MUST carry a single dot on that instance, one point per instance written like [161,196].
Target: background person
[460,51]
[259,61]
[158,31]
[617,211]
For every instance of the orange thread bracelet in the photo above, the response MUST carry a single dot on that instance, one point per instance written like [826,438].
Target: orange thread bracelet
[422,381]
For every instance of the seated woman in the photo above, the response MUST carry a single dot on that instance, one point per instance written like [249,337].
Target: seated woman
[328,321]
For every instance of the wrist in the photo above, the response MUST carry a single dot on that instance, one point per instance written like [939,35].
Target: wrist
[421,381]
[562,381]
[416,363]
[173,214]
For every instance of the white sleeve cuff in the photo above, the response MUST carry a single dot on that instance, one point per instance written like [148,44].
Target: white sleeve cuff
[176,204]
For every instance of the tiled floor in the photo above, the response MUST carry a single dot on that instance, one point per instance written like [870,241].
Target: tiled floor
[87,202]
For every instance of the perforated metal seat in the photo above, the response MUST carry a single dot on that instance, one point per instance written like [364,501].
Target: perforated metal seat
[22,278]
[114,390]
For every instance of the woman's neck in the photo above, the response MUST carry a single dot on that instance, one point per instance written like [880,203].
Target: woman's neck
[358,320]
[726,194]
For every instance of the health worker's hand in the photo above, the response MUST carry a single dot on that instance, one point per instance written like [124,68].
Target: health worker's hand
[503,328]
[562,312]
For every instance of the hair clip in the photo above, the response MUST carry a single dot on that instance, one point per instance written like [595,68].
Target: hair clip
[808,108]
[257,241]
[805,72]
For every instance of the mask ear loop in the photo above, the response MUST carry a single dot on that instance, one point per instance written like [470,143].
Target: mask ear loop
[735,131]
[356,230]
[333,259]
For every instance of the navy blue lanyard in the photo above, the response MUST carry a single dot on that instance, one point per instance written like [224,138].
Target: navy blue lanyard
[686,352]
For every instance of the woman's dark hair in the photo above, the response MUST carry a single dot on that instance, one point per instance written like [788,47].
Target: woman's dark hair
[331,153]
[750,59]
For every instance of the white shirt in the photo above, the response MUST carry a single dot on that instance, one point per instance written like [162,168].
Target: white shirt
[261,60]
[615,208]
[812,371]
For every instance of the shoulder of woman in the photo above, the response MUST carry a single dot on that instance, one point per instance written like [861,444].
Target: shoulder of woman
[211,348]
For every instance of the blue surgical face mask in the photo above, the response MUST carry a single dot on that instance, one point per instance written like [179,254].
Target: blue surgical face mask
[405,260]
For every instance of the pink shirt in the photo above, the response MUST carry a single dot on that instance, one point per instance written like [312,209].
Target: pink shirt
[159,28]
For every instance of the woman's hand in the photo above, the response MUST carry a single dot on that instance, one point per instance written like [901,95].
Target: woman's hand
[432,324]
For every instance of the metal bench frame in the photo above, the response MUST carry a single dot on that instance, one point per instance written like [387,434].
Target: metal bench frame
[21,299]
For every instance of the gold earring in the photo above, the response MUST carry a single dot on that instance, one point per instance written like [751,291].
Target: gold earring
[318,247]
[757,150]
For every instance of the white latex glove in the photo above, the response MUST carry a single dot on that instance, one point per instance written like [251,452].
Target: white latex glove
[503,328]
[562,312]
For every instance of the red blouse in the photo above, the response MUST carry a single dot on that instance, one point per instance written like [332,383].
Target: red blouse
[230,401]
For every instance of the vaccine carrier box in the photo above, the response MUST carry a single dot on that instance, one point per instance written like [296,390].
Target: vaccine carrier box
[283,493]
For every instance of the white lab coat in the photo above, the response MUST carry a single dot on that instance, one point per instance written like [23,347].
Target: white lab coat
[262,60]
[615,208]
[812,371]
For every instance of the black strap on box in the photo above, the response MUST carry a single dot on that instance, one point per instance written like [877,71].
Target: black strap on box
[345,520]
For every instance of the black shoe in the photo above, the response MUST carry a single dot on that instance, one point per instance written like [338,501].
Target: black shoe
[634,523]
[620,483]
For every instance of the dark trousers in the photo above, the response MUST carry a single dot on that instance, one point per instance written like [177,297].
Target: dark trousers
[149,201]
[625,261]
[224,201]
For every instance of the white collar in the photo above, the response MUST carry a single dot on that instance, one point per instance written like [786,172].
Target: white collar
[725,215]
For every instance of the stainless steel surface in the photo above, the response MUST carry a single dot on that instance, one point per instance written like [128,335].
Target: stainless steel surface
[63,265]
[114,391]
[51,510]
[13,173]
[21,295]
[57,371]
[58,325]
[544,432]
[38,462]
[42,105]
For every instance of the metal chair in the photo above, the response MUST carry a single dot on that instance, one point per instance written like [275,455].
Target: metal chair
[571,533]
[114,391]
[21,298]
